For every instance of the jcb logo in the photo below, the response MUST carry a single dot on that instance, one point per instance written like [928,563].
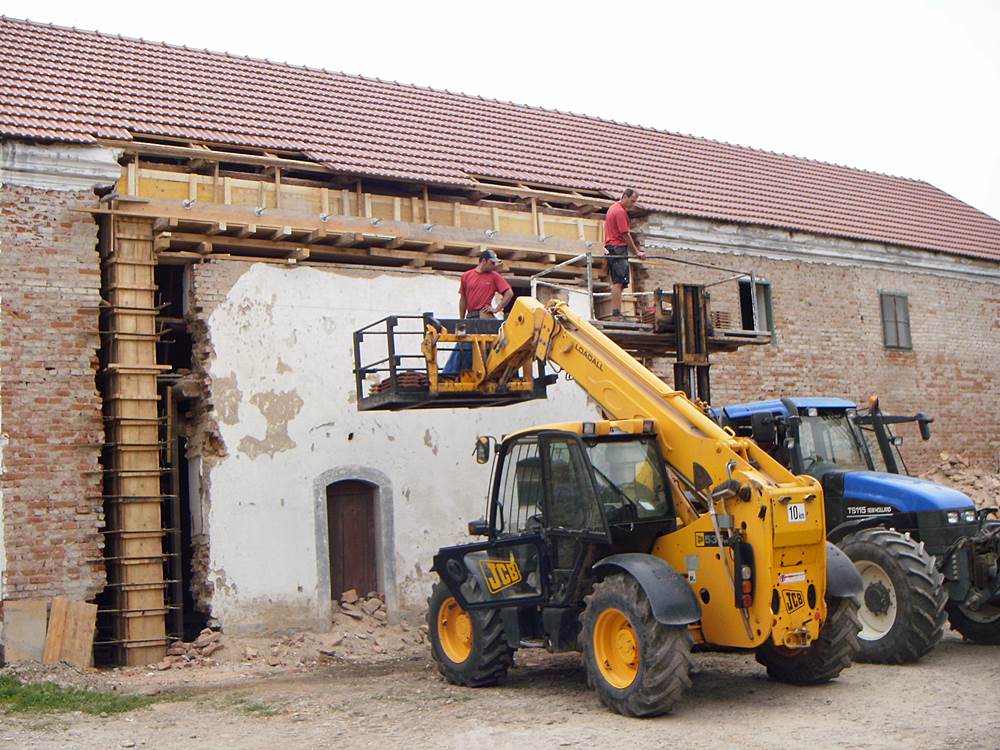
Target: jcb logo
[500,574]
[794,600]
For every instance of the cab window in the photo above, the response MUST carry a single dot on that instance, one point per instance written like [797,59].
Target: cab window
[519,494]
[630,478]
[572,504]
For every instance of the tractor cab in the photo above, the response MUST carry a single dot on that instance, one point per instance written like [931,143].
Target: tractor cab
[563,497]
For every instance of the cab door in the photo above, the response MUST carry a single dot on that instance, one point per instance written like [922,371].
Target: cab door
[511,568]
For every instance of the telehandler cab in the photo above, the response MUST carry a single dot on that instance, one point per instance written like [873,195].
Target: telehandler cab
[630,537]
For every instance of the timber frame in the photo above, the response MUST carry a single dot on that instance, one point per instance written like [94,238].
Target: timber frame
[207,203]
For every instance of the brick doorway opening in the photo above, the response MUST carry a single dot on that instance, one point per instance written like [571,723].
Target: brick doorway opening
[351,521]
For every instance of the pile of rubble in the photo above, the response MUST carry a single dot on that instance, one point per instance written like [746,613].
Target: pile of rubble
[373,605]
[197,653]
[982,485]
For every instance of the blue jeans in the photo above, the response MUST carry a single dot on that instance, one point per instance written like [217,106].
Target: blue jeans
[461,356]
[460,359]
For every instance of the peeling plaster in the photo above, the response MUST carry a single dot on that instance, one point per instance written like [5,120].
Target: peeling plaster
[282,368]
[278,409]
[226,396]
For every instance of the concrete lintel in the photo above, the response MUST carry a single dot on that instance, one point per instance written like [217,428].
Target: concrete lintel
[58,166]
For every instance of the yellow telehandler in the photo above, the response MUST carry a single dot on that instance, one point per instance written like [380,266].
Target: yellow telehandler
[630,537]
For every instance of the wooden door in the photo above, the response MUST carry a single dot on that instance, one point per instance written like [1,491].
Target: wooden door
[350,513]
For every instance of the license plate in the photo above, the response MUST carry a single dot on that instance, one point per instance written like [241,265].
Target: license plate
[796,512]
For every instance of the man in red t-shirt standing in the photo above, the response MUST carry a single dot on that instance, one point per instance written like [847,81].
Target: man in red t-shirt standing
[477,289]
[480,285]
[618,241]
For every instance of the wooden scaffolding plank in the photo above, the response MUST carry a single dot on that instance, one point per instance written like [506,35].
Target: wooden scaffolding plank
[136,572]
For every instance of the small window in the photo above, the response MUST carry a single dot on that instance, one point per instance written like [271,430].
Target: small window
[759,292]
[896,320]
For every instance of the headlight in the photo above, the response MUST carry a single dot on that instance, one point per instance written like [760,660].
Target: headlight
[969,516]
[953,516]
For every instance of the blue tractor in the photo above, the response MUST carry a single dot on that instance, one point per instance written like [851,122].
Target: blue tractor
[924,551]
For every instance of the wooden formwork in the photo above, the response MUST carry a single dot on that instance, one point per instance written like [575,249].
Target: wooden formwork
[133,494]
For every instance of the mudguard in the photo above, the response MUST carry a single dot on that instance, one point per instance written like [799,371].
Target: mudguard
[671,599]
[842,578]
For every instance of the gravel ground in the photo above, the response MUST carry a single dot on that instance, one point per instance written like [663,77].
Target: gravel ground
[951,699]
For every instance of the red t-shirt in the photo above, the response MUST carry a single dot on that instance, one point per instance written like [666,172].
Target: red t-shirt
[480,288]
[615,225]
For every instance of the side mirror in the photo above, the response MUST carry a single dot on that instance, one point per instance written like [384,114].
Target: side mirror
[479,527]
[924,423]
[763,428]
[483,443]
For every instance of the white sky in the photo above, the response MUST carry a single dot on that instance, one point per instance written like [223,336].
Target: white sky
[908,88]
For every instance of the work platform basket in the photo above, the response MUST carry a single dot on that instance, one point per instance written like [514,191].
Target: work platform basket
[390,369]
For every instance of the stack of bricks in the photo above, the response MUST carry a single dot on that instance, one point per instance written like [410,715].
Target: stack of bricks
[50,481]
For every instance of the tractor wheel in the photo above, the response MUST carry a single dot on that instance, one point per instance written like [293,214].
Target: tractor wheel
[979,626]
[826,658]
[638,666]
[902,606]
[469,647]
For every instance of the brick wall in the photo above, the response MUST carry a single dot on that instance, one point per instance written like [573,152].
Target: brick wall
[51,409]
[828,338]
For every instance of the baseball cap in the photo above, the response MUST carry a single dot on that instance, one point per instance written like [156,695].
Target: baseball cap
[489,255]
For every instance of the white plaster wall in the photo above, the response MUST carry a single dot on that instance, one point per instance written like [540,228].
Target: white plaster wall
[283,344]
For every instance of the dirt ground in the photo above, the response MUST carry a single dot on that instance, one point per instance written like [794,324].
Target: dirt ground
[362,698]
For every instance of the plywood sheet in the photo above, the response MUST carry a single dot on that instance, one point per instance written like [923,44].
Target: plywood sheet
[70,635]
[24,623]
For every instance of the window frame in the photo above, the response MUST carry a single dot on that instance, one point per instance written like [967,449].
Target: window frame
[898,301]
[767,312]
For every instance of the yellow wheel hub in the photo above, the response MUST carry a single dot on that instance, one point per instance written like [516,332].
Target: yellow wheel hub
[616,648]
[454,631]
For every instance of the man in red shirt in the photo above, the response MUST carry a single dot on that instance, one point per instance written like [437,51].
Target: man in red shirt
[477,289]
[480,285]
[618,241]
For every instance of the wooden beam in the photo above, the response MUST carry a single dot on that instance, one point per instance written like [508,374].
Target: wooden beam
[348,228]
[349,239]
[217,227]
[281,232]
[315,236]
[165,224]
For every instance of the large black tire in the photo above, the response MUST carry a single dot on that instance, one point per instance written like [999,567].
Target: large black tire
[662,654]
[489,655]
[902,607]
[982,626]
[827,657]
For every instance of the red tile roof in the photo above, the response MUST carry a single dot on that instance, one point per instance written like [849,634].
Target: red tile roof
[69,85]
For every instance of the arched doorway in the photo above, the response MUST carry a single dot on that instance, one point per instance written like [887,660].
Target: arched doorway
[350,518]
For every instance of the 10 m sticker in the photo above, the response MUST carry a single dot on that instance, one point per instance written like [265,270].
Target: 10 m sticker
[796,512]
